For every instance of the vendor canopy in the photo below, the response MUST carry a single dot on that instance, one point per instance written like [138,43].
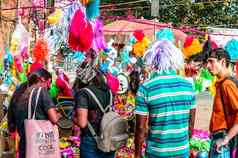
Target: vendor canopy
[121,30]
[222,35]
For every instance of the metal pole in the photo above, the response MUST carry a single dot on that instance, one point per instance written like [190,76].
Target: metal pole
[158,9]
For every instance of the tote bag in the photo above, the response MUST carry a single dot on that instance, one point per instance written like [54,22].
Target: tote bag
[42,137]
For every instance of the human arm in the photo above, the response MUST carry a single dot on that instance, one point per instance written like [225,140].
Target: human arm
[81,117]
[192,115]
[140,134]
[10,117]
[191,121]
[49,107]
[142,112]
[53,115]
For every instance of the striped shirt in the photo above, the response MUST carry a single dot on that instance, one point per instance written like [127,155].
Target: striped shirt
[167,100]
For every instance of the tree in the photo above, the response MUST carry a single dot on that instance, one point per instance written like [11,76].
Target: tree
[184,12]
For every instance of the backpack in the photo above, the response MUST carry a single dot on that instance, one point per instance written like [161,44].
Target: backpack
[113,128]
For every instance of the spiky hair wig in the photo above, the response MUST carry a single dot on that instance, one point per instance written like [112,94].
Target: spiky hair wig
[164,56]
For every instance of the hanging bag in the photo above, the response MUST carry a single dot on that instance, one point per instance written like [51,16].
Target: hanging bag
[42,137]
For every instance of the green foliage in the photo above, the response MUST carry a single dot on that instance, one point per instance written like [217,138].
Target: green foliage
[184,12]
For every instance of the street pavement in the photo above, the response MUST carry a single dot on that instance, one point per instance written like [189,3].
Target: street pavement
[203,110]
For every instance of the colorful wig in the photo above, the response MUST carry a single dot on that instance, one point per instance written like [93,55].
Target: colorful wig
[139,35]
[40,51]
[165,34]
[192,47]
[232,49]
[164,56]
[140,46]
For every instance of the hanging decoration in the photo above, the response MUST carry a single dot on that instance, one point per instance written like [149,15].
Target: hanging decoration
[191,47]
[80,33]
[232,48]
[98,39]
[39,3]
[40,51]
[41,25]
[86,2]
[20,39]
[93,9]
[139,35]
[140,47]
[200,142]
[57,35]
[165,34]
[113,83]
[54,18]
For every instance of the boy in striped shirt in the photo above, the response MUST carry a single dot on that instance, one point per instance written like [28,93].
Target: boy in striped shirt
[168,102]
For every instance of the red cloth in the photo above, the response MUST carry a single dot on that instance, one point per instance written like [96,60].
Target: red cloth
[64,89]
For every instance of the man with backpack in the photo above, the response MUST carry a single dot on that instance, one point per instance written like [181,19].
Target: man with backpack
[165,104]
[224,119]
[102,130]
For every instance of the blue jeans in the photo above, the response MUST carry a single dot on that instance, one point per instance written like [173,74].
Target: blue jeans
[88,149]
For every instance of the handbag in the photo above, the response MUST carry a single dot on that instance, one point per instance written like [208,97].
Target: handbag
[233,143]
[42,137]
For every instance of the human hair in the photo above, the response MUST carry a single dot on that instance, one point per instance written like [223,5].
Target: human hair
[164,56]
[33,78]
[98,81]
[220,53]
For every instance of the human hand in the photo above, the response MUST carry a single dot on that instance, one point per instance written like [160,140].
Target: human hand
[220,143]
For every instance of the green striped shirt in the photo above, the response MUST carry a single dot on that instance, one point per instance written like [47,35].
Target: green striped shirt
[167,100]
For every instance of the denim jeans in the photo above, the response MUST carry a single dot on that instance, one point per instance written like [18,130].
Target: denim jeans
[22,148]
[88,149]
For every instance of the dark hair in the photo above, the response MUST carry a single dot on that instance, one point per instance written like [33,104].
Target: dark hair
[220,53]
[134,80]
[33,78]
[97,81]
[202,56]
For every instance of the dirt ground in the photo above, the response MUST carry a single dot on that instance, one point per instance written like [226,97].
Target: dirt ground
[203,110]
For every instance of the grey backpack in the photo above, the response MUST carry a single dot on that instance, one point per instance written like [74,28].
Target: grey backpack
[113,128]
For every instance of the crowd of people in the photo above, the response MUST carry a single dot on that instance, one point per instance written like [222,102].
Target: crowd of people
[165,106]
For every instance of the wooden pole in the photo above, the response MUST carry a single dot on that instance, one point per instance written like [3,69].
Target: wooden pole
[0,13]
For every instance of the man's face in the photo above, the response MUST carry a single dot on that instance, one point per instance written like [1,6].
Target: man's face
[214,65]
